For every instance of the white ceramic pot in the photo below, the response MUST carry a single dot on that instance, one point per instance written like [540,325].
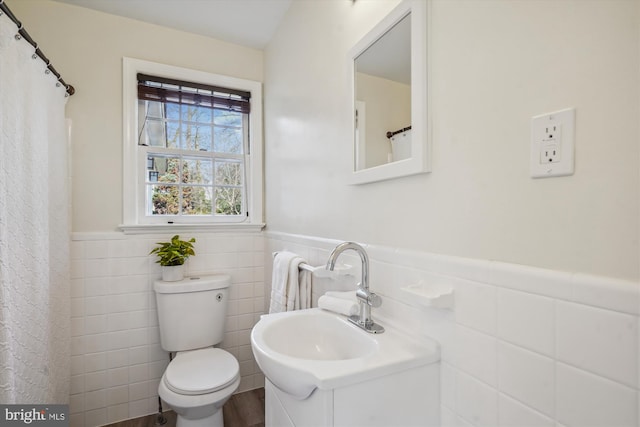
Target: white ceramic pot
[172,273]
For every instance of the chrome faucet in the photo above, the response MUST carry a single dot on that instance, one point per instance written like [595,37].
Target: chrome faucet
[366,298]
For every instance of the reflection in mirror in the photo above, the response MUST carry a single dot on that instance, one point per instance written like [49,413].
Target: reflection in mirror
[383,98]
[389,79]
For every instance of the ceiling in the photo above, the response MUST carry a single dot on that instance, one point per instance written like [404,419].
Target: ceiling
[249,23]
[389,57]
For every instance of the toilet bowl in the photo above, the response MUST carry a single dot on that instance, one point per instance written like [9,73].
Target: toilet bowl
[200,378]
[196,385]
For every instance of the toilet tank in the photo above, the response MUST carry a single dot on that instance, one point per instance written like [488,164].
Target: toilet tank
[192,312]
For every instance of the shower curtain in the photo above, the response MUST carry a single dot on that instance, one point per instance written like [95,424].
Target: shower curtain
[34,228]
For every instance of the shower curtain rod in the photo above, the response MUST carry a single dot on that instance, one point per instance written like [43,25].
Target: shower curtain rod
[22,33]
[390,134]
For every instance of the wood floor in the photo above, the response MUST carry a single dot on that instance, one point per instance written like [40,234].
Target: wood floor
[241,410]
[245,409]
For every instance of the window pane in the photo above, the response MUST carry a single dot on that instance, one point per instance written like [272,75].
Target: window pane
[164,199]
[196,200]
[204,115]
[167,168]
[227,140]
[192,113]
[197,171]
[173,111]
[227,118]
[196,137]
[173,134]
[155,131]
[228,201]
[228,173]
[155,109]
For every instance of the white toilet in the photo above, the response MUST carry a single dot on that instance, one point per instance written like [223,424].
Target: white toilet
[200,378]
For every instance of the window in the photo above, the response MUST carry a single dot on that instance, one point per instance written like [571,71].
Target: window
[194,138]
[192,148]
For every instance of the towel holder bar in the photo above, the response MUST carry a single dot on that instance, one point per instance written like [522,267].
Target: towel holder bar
[302,265]
[305,266]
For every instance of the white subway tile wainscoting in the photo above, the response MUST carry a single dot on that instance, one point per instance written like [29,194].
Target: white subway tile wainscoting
[522,346]
[117,361]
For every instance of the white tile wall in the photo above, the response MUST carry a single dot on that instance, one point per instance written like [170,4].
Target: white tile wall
[526,376]
[476,402]
[527,320]
[522,347]
[585,399]
[597,340]
[475,354]
[513,413]
[117,360]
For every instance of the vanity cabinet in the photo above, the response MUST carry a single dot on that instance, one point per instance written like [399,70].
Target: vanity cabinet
[407,398]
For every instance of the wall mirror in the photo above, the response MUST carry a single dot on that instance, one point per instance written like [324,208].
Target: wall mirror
[388,71]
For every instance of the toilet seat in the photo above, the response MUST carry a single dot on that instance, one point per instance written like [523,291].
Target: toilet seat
[201,371]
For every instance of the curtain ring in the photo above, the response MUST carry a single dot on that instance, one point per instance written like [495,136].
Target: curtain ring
[57,84]
[18,36]
[35,54]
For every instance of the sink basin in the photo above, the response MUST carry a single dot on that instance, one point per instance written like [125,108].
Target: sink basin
[312,336]
[300,351]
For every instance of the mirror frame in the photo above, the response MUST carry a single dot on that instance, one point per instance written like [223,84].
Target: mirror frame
[420,161]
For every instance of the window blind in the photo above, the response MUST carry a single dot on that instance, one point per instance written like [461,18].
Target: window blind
[160,89]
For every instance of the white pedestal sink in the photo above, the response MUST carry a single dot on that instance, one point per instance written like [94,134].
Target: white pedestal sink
[322,370]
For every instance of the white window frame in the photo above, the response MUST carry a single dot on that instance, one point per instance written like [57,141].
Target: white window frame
[135,220]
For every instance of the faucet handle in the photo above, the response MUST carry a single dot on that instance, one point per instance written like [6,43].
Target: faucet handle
[368,297]
[374,300]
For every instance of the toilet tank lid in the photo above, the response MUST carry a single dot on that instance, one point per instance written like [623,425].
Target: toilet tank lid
[193,284]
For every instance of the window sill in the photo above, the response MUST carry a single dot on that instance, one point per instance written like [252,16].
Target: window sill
[179,228]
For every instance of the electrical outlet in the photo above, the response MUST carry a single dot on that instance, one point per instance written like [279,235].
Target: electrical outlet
[550,154]
[552,132]
[550,149]
[552,144]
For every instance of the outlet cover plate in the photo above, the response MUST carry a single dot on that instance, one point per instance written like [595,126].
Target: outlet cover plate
[562,140]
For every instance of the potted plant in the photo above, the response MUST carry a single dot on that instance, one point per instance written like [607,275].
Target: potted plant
[172,255]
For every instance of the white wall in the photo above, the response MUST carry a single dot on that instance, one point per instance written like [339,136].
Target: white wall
[87,47]
[495,64]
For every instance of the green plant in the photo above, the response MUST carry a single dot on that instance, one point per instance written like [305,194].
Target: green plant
[174,252]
